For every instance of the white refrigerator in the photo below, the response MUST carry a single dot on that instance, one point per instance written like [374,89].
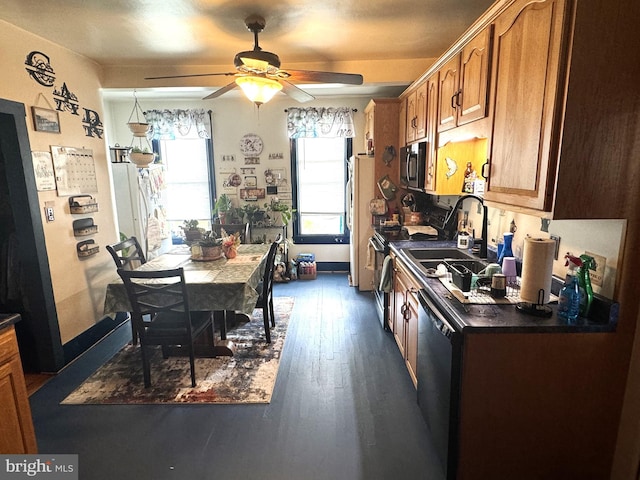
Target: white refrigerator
[139,206]
[360,191]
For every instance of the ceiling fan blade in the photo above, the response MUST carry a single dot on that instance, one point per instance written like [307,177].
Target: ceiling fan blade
[296,93]
[221,91]
[325,77]
[226,74]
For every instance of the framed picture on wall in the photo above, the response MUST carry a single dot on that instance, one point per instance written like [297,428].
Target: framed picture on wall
[45,120]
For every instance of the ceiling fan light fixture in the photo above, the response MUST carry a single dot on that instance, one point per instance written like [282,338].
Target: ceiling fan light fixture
[258,89]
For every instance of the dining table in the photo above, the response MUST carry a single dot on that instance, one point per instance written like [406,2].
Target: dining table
[226,286]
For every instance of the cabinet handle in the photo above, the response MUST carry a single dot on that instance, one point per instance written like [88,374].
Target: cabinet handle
[458,101]
[453,100]
[485,170]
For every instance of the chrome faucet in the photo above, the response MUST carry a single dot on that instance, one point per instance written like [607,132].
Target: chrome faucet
[452,214]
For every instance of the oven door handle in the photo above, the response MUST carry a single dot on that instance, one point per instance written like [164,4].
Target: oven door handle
[376,246]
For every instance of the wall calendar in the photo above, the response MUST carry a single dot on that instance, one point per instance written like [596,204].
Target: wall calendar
[75,170]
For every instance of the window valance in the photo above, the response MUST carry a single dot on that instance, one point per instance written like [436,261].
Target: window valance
[169,124]
[320,122]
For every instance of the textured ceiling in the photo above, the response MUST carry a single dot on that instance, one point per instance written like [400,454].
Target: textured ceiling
[179,34]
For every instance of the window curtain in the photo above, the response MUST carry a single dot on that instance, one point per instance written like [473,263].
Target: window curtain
[320,122]
[169,124]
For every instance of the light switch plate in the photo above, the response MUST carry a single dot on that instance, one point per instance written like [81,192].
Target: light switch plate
[48,213]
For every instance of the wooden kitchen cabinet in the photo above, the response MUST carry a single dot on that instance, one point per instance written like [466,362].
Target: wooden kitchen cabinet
[560,138]
[405,316]
[16,428]
[525,92]
[431,132]
[463,83]
[416,120]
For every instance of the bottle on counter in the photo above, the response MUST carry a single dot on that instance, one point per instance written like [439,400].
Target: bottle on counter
[569,297]
[584,283]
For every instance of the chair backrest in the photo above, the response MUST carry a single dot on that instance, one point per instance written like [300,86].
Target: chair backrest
[127,254]
[155,292]
[230,228]
[270,265]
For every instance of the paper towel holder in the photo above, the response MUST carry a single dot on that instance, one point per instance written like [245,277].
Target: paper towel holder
[536,309]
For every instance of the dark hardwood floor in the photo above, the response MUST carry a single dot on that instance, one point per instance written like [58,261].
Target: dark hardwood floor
[343,407]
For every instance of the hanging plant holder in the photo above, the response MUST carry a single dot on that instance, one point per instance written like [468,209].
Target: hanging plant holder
[141,154]
[138,126]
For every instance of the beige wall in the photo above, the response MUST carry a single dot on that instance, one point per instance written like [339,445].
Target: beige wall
[78,284]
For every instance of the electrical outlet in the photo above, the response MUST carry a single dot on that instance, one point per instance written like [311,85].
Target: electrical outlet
[557,239]
[48,213]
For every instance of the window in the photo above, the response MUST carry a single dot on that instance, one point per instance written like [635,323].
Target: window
[188,183]
[319,167]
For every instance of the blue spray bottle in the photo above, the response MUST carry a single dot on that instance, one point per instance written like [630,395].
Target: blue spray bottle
[569,298]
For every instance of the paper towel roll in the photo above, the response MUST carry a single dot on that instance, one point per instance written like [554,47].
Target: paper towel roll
[537,269]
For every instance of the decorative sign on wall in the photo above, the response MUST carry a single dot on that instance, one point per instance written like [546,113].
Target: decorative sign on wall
[75,170]
[92,123]
[228,158]
[252,194]
[45,120]
[250,181]
[39,68]
[65,100]
[251,160]
[43,170]
[276,156]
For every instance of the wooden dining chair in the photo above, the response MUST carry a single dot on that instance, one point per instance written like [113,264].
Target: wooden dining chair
[163,296]
[265,290]
[230,228]
[128,255]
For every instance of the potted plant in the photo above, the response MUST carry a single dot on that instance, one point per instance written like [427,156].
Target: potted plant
[142,157]
[285,210]
[222,207]
[210,245]
[191,231]
[250,210]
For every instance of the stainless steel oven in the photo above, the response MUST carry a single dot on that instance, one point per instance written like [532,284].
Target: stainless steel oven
[380,249]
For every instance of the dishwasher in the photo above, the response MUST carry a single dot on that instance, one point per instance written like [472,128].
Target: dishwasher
[438,373]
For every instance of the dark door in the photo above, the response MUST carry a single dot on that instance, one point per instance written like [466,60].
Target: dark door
[25,279]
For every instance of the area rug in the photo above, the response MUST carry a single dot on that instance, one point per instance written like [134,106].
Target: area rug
[247,377]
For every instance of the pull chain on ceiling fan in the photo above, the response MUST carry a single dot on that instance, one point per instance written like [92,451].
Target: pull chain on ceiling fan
[259,75]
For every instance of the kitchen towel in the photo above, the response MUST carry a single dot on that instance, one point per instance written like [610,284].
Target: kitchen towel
[537,270]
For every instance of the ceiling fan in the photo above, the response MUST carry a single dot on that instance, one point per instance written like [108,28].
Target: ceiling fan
[259,75]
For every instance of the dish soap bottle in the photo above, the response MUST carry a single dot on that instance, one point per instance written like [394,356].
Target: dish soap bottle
[584,282]
[569,297]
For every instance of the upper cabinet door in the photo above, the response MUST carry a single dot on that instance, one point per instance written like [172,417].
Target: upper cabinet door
[421,111]
[474,78]
[524,95]
[448,107]
[464,83]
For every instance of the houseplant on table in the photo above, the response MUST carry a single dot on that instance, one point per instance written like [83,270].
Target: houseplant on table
[208,248]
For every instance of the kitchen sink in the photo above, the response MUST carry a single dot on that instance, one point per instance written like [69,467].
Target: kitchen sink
[475,266]
[438,253]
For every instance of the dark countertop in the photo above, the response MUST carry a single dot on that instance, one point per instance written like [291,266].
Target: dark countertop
[469,318]
[7,319]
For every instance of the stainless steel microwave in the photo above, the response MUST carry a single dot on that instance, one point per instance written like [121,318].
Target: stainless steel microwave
[413,162]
